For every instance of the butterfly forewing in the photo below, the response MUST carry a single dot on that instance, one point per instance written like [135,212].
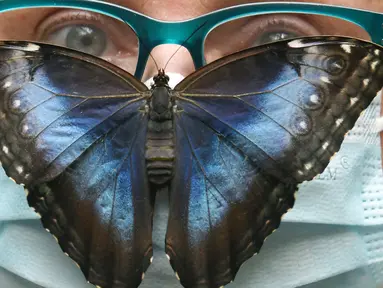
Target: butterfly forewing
[249,128]
[73,130]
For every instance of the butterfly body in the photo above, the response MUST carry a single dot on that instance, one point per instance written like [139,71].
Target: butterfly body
[232,141]
[160,136]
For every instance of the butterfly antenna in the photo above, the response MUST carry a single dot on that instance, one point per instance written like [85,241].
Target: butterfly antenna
[183,43]
[144,45]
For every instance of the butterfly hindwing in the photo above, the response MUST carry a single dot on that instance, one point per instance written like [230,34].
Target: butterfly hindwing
[100,210]
[222,206]
[249,128]
[73,131]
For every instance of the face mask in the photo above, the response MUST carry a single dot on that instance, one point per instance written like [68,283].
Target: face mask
[379,124]
[333,237]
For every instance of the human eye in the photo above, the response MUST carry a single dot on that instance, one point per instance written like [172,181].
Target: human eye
[82,37]
[274,29]
[257,30]
[91,33]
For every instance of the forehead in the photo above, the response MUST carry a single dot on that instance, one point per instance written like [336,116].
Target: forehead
[216,4]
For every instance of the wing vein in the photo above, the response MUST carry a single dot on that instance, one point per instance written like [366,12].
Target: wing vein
[102,121]
[198,162]
[128,155]
[226,124]
[130,95]
[237,95]
[58,117]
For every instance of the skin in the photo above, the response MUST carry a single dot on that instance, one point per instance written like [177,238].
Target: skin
[40,25]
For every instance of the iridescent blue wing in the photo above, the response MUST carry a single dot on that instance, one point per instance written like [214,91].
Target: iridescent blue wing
[72,130]
[249,128]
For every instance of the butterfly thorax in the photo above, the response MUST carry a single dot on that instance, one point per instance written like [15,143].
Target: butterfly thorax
[160,136]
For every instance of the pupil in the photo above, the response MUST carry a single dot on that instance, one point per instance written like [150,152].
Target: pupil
[87,41]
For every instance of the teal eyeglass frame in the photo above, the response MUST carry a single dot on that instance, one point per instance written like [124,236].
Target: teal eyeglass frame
[156,32]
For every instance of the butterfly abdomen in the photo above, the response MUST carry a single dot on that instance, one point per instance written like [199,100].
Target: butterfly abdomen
[160,138]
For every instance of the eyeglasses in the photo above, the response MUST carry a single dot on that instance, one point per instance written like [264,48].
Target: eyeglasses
[153,32]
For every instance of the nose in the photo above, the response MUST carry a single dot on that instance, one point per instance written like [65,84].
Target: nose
[179,62]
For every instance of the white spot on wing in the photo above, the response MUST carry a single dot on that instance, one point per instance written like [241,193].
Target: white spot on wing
[346,48]
[374,64]
[16,103]
[325,145]
[339,121]
[295,44]
[178,277]
[32,47]
[366,82]
[7,84]
[5,149]
[25,128]
[303,125]
[325,79]
[167,256]
[151,259]
[314,98]
[19,169]
[353,100]
[308,166]
[377,52]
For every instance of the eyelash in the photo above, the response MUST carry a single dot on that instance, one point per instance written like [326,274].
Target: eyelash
[289,23]
[113,31]
[60,19]
[249,29]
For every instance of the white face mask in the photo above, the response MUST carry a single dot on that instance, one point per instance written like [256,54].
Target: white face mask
[333,237]
[379,124]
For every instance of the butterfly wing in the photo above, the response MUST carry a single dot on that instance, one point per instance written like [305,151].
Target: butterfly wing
[72,130]
[249,128]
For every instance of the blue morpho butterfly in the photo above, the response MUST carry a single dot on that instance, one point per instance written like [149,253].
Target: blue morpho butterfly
[231,142]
